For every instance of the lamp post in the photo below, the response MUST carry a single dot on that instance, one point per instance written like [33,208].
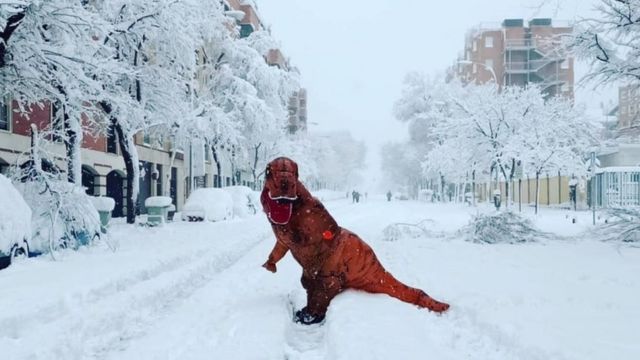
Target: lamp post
[489,68]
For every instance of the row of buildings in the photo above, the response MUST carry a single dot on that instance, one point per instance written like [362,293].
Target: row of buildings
[519,52]
[103,169]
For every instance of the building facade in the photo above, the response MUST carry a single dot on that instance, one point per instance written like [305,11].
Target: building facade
[163,170]
[512,53]
[628,107]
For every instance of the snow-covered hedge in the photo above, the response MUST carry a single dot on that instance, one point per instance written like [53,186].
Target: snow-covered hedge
[208,204]
[623,225]
[246,202]
[15,217]
[501,228]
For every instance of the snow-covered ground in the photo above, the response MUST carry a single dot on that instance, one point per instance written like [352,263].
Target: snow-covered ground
[197,291]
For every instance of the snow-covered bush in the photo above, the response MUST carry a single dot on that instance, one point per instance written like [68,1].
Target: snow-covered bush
[15,218]
[623,225]
[501,228]
[397,231]
[208,204]
[245,200]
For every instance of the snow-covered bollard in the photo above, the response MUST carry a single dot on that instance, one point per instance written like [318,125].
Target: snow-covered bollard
[496,198]
[158,208]
[104,205]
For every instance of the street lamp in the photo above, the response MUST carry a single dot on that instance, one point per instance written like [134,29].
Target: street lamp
[469,62]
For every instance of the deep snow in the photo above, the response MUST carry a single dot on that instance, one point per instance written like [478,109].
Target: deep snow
[197,291]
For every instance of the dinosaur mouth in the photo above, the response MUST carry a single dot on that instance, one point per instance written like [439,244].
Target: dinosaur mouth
[283,198]
[279,209]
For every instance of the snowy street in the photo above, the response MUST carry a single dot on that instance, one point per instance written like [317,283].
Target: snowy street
[197,291]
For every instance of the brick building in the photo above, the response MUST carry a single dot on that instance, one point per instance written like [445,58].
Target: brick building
[517,54]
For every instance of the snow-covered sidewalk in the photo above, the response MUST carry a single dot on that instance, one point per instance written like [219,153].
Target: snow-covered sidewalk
[197,291]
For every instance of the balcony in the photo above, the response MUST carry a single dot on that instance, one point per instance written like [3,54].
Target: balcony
[519,44]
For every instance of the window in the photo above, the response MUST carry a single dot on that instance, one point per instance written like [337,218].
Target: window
[146,138]
[564,65]
[245,30]
[468,56]
[474,68]
[488,42]
[475,45]
[489,64]
[5,115]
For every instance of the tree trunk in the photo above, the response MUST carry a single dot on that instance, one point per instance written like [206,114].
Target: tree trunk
[537,190]
[254,169]
[12,24]
[72,141]
[129,155]
[218,167]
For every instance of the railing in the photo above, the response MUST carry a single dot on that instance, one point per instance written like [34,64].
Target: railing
[529,66]
[519,43]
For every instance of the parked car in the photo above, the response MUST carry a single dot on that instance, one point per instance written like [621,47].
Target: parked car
[245,201]
[15,224]
[211,204]
[62,212]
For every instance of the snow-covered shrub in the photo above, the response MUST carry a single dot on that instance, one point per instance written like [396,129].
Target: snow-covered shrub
[501,228]
[623,225]
[397,231]
[15,217]
[245,200]
[208,204]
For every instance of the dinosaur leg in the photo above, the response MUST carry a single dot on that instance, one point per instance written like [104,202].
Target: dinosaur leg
[320,292]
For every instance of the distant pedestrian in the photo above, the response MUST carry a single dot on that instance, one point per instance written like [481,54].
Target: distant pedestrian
[389,195]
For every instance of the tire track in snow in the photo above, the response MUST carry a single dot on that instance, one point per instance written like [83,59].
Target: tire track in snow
[112,315]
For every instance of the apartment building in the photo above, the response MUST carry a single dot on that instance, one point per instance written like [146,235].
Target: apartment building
[250,22]
[515,53]
[628,107]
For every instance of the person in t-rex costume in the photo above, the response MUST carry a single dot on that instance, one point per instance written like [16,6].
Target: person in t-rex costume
[332,258]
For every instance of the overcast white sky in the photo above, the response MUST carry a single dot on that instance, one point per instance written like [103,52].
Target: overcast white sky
[353,55]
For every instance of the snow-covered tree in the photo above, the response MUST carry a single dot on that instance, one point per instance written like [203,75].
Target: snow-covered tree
[478,130]
[47,53]
[556,139]
[611,42]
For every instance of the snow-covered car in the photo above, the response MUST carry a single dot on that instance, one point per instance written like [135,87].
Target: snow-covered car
[15,224]
[245,200]
[209,204]
[61,211]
